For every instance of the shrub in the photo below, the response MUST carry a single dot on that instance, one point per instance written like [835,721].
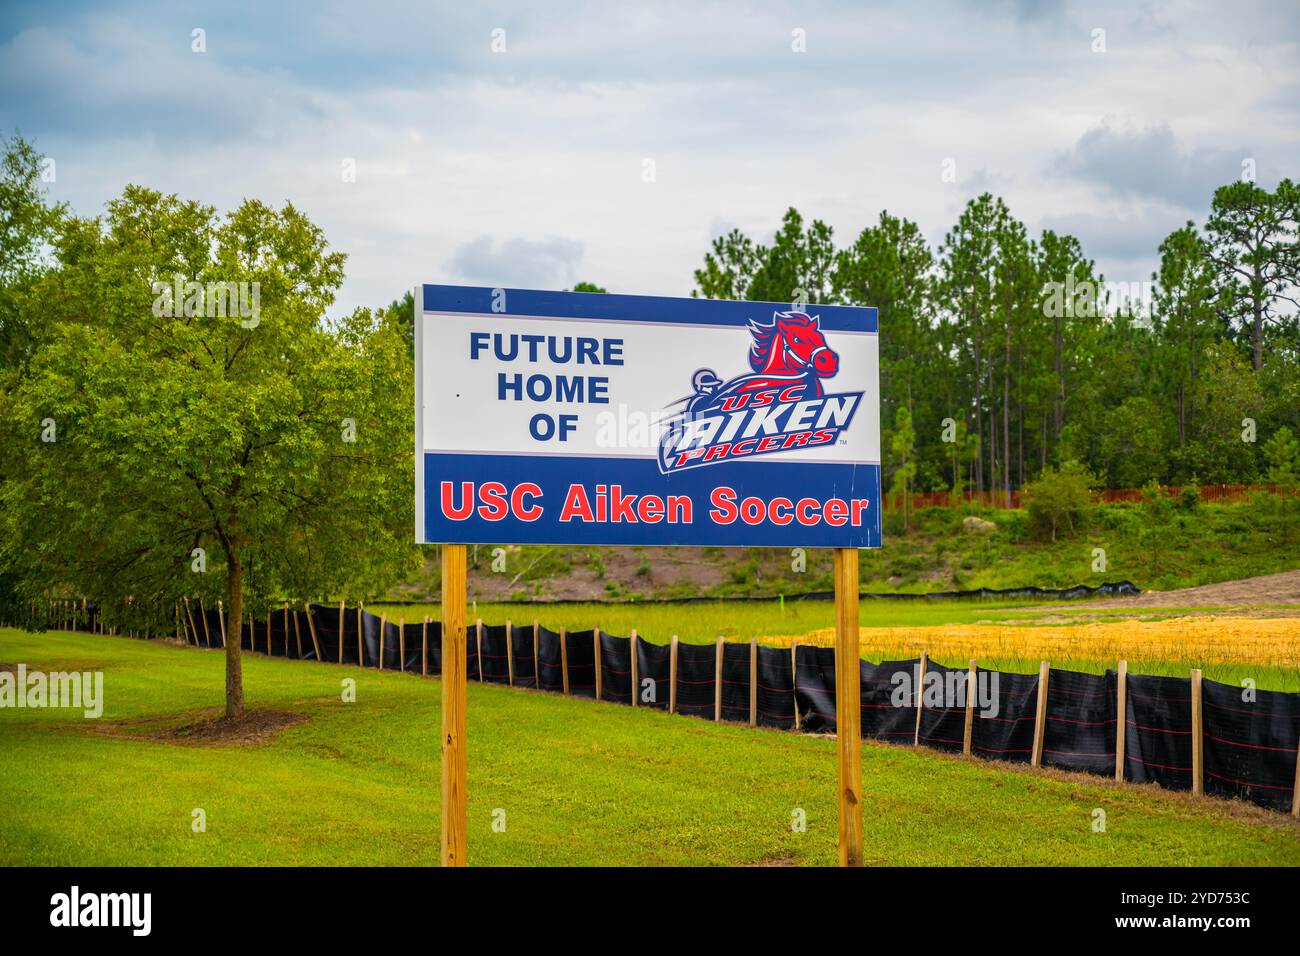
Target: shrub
[1059,497]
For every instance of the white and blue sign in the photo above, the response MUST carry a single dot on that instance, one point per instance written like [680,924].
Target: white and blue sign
[582,418]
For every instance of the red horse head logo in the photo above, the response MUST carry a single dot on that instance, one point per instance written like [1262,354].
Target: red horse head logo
[790,346]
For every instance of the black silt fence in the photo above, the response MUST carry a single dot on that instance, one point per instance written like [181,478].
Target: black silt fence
[580,649]
[1250,745]
[615,669]
[411,647]
[496,650]
[326,621]
[1008,733]
[521,641]
[814,688]
[550,662]
[943,707]
[210,623]
[369,624]
[390,645]
[472,665]
[653,663]
[735,682]
[1158,740]
[280,636]
[888,705]
[1080,722]
[435,647]
[775,688]
[696,679]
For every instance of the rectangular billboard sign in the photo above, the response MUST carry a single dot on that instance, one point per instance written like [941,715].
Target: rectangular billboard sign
[583,418]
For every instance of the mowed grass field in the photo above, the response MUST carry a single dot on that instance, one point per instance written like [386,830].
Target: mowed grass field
[576,782]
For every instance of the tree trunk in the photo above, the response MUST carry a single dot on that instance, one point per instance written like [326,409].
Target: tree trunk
[979,420]
[234,666]
[1258,337]
[1006,417]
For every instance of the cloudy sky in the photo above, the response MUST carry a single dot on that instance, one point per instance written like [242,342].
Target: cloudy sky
[538,144]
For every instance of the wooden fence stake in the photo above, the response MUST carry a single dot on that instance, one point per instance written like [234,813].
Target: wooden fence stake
[969,734]
[340,632]
[1121,717]
[595,644]
[361,636]
[1295,789]
[188,613]
[297,633]
[478,639]
[636,667]
[753,682]
[252,633]
[311,626]
[383,629]
[221,619]
[717,679]
[537,657]
[848,705]
[920,697]
[564,661]
[1040,713]
[424,647]
[794,681]
[454,652]
[1198,737]
[268,633]
[286,629]
[510,654]
[401,644]
[672,676]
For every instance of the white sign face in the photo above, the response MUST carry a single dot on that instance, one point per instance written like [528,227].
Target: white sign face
[603,419]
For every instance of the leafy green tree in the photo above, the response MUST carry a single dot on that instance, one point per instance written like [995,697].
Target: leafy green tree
[1184,316]
[1282,453]
[1059,496]
[589,287]
[1255,243]
[1135,446]
[890,267]
[729,268]
[1220,447]
[162,447]
[1157,517]
[799,264]
[903,444]
[28,226]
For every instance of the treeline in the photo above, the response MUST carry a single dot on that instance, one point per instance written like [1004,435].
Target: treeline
[1004,356]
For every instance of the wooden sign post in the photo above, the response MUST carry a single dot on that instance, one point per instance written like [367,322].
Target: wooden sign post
[848,705]
[454,784]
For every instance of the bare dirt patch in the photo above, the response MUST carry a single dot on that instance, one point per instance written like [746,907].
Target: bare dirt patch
[208,729]
[251,728]
[1267,589]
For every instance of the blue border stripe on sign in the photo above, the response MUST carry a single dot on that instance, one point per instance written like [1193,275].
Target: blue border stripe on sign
[554,476]
[634,308]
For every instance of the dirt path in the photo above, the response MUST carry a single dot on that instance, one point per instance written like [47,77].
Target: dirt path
[1282,588]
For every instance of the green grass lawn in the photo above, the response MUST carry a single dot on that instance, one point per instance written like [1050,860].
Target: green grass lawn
[579,783]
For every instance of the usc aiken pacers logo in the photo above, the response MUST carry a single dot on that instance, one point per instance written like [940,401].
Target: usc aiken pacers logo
[781,405]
